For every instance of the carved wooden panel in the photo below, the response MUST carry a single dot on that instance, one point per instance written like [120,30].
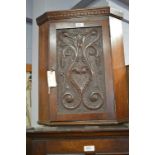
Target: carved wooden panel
[80,70]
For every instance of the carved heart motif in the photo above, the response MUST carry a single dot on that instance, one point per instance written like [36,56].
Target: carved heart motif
[80,76]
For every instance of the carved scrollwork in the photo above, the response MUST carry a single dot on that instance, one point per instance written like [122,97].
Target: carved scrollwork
[68,101]
[96,101]
[79,58]
[68,98]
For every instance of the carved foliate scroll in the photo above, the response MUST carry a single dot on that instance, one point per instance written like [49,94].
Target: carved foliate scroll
[80,70]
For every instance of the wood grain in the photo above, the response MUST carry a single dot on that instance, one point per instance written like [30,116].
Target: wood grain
[106,140]
[119,69]
[43,67]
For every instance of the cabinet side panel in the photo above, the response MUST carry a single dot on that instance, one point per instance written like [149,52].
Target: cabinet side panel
[108,70]
[43,67]
[119,69]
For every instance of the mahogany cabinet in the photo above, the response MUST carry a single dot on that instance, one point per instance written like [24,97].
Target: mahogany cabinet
[84,48]
[94,140]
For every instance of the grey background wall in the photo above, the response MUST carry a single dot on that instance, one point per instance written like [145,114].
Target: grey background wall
[28,43]
[35,8]
[29,9]
[122,7]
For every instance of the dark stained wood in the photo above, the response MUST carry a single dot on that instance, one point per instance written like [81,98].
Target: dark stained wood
[78,13]
[38,148]
[119,69]
[72,146]
[77,123]
[52,66]
[107,115]
[43,67]
[52,27]
[127,70]
[107,140]
[28,146]
[86,84]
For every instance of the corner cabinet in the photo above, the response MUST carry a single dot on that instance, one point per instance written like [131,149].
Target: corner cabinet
[83,49]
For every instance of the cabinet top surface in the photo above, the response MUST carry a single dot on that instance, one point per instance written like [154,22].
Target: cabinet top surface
[78,13]
[79,129]
[70,132]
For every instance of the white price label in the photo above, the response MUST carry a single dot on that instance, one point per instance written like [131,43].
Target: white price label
[51,79]
[79,24]
[89,148]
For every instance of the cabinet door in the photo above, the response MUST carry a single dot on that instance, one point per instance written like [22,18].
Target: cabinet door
[80,55]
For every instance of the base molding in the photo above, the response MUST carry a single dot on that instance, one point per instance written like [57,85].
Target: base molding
[82,123]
